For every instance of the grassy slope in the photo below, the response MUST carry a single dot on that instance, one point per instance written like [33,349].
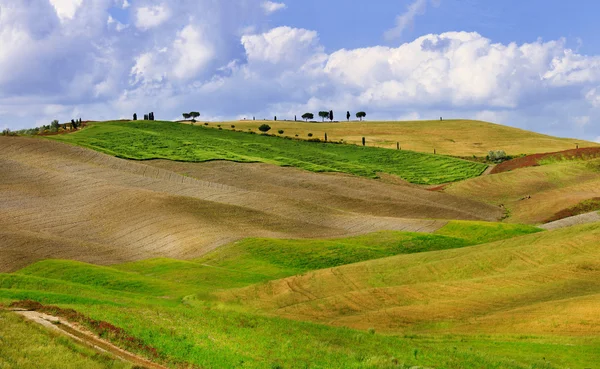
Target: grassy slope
[186,326]
[553,187]
[174,141]
[24,345]
[504,286]
[279,258]
[451,137]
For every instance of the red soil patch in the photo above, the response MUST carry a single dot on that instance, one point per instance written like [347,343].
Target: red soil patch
[534,160]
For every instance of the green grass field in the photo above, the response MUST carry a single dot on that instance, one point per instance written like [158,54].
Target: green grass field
[174,141]
[171,305]
[24,345]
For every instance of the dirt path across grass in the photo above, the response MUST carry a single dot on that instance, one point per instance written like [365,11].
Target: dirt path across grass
[85,337]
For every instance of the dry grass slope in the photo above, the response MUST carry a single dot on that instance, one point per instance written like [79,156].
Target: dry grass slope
[450,137]
[62,201]
[552,188]
[544,283]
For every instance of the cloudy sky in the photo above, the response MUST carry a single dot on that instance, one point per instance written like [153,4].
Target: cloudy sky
[532,64]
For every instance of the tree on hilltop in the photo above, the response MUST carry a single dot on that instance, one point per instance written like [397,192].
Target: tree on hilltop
[186,116]
[307,116]
[348,116]
[331,115]
[194,115]
[360,115]
[324,114]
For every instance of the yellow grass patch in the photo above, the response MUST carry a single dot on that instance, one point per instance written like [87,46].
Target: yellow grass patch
[552,188]
[448,291]
[450,137]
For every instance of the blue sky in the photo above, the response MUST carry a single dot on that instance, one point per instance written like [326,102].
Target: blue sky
[531,64]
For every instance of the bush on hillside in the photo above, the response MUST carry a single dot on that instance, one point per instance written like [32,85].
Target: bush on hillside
[280,131]
[264,128]
[497,156]
[310,135]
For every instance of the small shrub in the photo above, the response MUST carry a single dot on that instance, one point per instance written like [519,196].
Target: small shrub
[264,128]
[310,135]
[232,126]
[205,124]
[280,131]
[220,129]
[296,135]
[218,125]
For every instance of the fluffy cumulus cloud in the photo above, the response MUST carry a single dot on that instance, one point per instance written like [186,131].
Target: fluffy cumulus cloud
[271,7]
[65,9]
[152,16]
[222,59]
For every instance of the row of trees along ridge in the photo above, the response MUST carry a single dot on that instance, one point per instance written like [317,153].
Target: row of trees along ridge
[329,115]
[149,116]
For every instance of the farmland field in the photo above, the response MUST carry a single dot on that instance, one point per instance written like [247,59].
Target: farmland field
[195,247]
[536,194]
[450,137]
[66,202]
[181,309]
[173,141]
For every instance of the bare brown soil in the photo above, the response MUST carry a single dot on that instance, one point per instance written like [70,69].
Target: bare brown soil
[62,201]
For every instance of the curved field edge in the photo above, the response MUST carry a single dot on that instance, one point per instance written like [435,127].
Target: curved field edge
[174,141]
[457,137]
[534,195]
[504,286]
[186,326]
[534,160]
[279,258]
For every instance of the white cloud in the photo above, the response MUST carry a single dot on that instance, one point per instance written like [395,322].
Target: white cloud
[193,52]
[65,9]
[126,4]
[593,97]
[282,45]
[271,7]
[152,16]
[407,18]
[208,60]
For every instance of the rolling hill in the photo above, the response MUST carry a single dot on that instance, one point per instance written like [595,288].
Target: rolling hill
[63,201]
[501,287]
[199,247]
[449,137]
[169,306]
[174,141]
[535,195]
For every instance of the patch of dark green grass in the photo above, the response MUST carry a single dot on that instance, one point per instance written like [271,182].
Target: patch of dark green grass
[174,141]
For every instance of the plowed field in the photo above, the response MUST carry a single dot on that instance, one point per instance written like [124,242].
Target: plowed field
[62,201]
